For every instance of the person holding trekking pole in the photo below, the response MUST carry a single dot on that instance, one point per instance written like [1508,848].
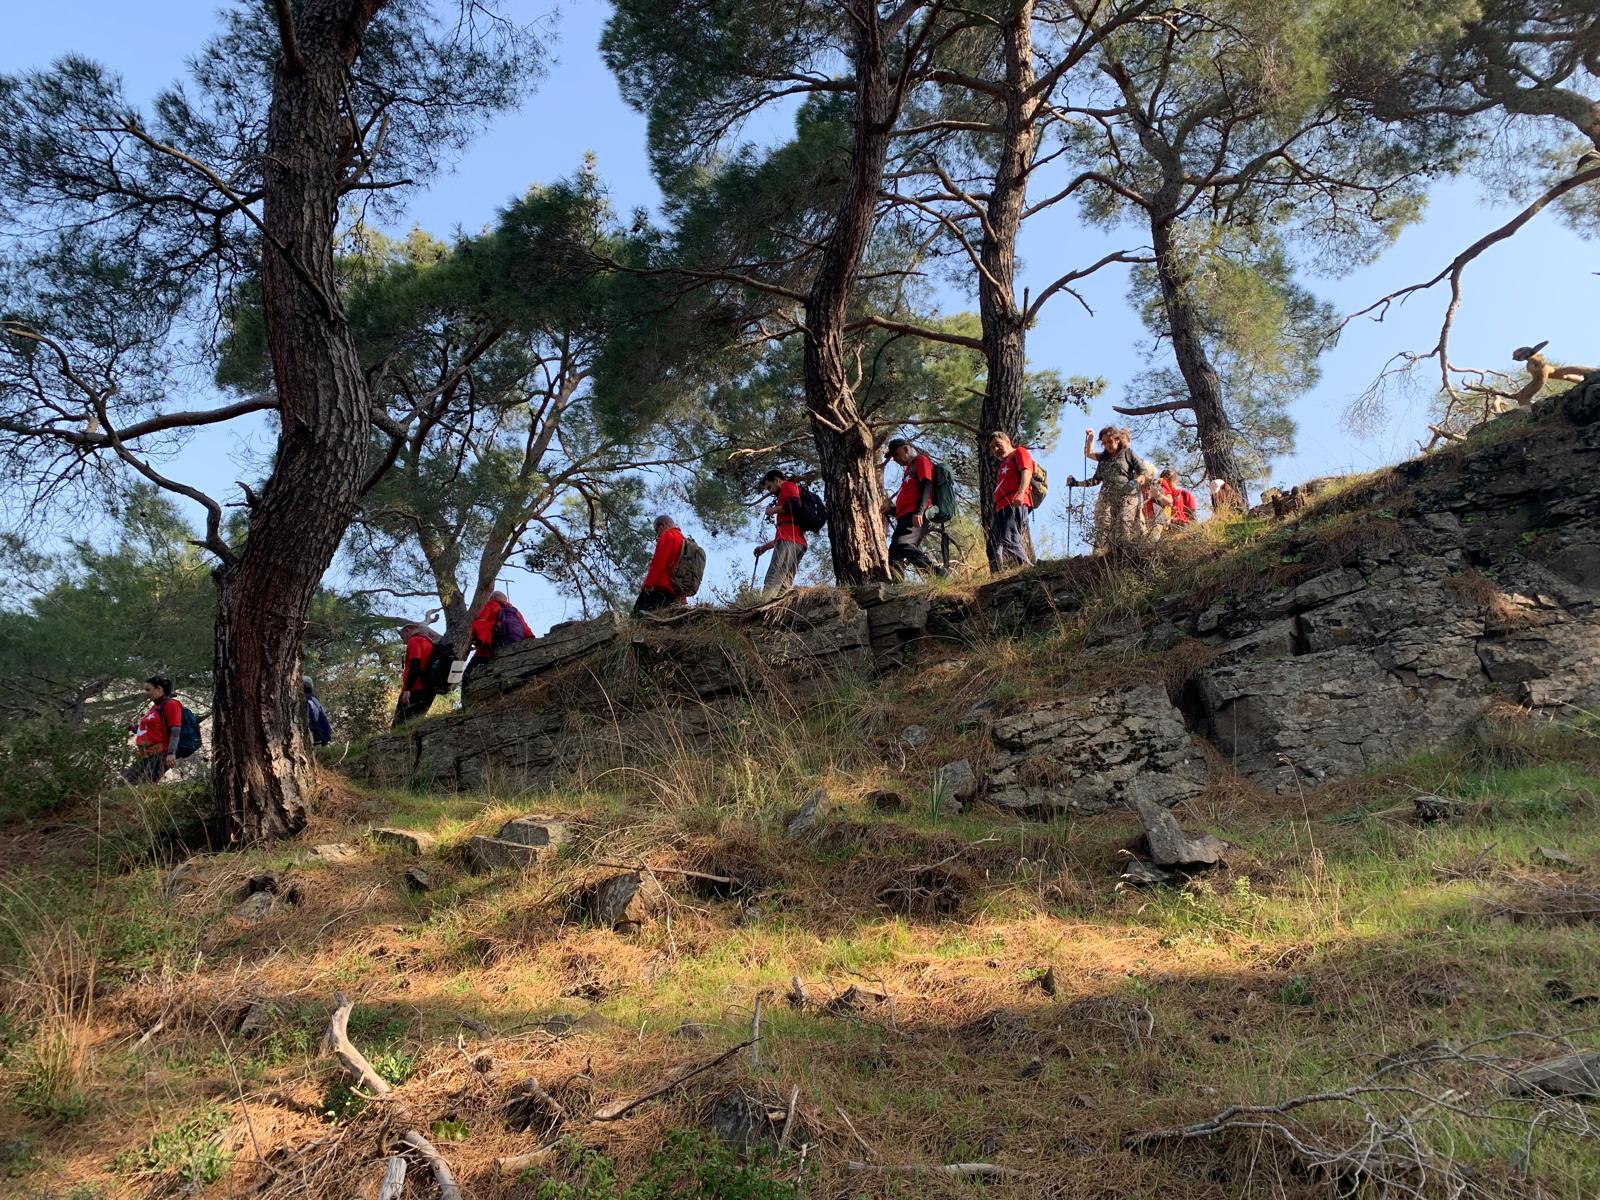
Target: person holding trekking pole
[1119,474]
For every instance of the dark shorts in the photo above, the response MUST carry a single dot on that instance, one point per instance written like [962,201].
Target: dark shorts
[148,769]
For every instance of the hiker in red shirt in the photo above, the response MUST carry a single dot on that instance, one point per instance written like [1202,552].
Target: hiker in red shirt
[497,624]
[658,591]
[911,504]
[790,543]
[1183,507]
[416,691]
[156,732]
[1013,499]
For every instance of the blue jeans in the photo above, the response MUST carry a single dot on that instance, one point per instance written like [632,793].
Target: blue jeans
[1006,546]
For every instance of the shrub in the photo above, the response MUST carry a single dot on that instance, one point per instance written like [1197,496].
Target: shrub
[49,764]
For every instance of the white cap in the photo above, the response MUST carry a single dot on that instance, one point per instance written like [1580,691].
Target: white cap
[1215,486]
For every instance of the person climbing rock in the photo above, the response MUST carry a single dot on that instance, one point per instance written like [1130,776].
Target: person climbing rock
[658,591]
[788,545]
[911,504]
[418,677]
[497,624]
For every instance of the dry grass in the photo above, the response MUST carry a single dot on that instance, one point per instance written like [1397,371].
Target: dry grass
[1324,946]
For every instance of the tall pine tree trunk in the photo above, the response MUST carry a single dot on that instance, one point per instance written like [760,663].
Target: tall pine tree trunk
[263,772]
[1003,322]
[1212,427]
[844,442]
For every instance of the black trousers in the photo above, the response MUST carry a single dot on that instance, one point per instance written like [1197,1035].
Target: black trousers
[905,547]
[1005,538]
[421,702]
[651,599]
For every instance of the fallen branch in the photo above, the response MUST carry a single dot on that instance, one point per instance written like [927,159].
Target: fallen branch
[788,1117]
[337,1042]
[394,1178]
[514,1163]
[722,879]
[448,1188]
[483,1031]
[755,1034]
[952,1170]
[621,1108]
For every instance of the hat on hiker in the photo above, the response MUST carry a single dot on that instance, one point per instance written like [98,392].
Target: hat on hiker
[894,444]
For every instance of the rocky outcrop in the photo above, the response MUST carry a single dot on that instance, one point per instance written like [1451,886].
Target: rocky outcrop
[1388,623]
[1086,754]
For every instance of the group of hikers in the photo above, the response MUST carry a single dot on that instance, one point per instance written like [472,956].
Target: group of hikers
[1134,502]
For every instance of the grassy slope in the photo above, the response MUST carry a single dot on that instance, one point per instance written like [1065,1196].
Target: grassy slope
[1340,933]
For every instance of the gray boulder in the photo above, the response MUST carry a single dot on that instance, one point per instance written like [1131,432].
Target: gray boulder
[1169,846]
[809,817]
[607,904]
[1086,754]
[404,840]
[487,854]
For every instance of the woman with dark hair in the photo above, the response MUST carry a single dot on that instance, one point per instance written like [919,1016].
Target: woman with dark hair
[156,732]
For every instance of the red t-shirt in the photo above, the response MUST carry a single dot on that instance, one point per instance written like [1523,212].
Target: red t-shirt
[483,624]
[669,548]
[1011,469]
[788,499]
[419,649]
[1182,502]
[151,736]
[908,500]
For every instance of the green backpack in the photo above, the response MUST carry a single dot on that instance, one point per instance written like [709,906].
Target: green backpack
[944,493]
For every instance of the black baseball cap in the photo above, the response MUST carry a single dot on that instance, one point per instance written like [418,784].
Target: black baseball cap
[894,444]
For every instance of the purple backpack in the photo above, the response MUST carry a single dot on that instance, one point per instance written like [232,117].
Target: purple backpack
[509,626]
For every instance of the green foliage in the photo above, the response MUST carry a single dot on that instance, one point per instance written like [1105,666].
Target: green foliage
[691,1164]
[48,765]
[1262,331]
[448,1129]
[341,1101]
[188,1155]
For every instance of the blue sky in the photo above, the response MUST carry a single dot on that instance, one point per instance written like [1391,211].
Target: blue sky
[1539,285]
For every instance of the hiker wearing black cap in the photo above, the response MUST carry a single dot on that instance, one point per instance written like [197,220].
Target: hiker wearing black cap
[911,504]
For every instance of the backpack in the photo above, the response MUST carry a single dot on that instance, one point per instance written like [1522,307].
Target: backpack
[810,512]
[321,727]
[436,677]
[509,627]
[1038,487]
[944,492]
[188,733]
[690,569]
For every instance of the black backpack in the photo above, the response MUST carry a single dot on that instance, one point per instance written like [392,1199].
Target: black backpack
[810,511]
[437,675]
[188,733]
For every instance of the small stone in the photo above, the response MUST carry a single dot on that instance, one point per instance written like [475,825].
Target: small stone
[743,1121]
[533,831]
[916,736]
[750,914]
[255,906]
[334,852]
[180,881]
[980,714]
[258,1018]
[1169,846]
[1430,809]
[628,927]
[608,904]
[404,839]
[884,800]
[1047,981]
[418,880]
[960,780]
[1083,1100]
[692,1031]
[487,854]
[1143,874]
[810,815]
[1557,857]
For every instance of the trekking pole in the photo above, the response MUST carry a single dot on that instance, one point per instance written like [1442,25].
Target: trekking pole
[1070,490]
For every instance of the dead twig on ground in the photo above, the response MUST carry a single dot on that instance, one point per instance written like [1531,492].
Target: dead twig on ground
[448,1188]
[394,1178]
[952,1170]
[337,1042]
[621,1108]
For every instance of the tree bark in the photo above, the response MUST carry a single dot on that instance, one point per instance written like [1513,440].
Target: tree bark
[1212,426]
[263,772]
[1003,322]
[845,446]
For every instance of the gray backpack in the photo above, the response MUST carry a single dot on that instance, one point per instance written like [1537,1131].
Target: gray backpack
[690,570]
